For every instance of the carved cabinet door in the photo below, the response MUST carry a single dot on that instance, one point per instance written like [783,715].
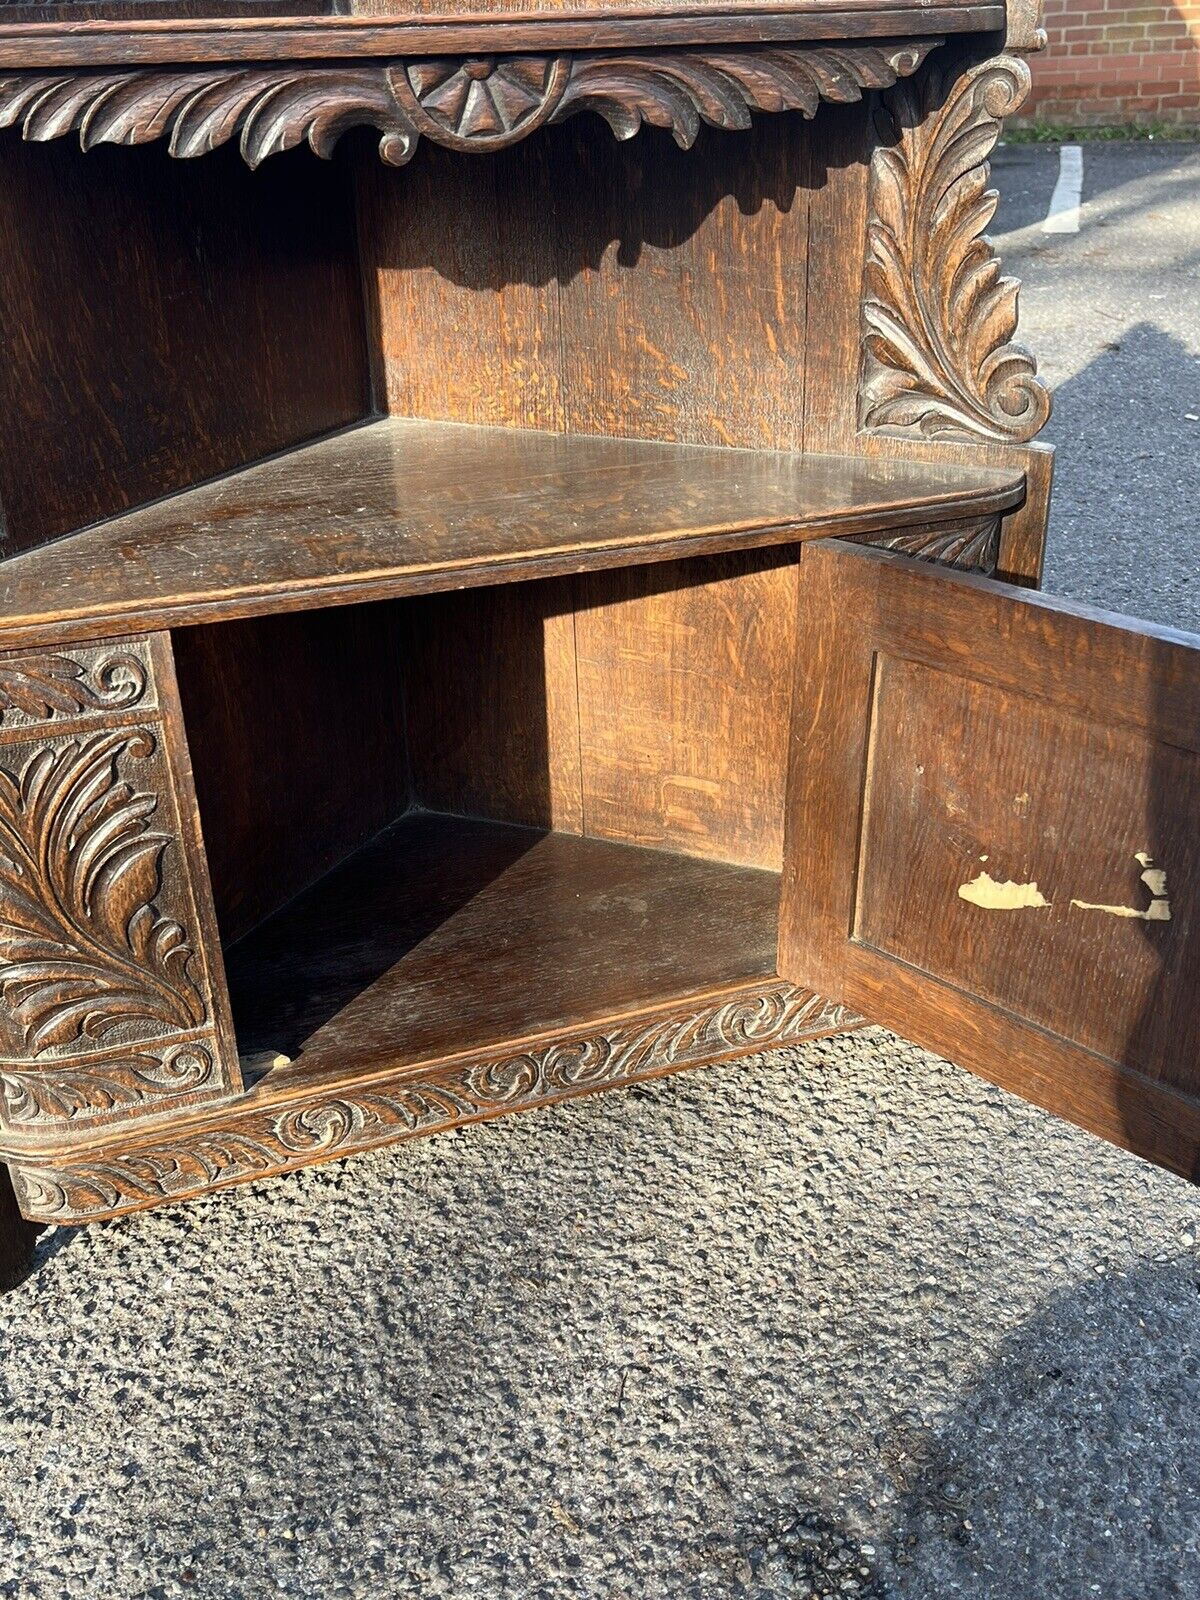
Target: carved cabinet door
[993,840]
[112,1001]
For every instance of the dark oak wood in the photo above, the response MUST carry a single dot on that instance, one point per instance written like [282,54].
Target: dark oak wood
[162,323]
[18,1237]
[564,581]
[445,935]
[296,730]
[112,990]
[398,507]
[856,206]
[492,705]
[993,833]
[600,318]
[454,971]
[470,103]
[268,1132]
[685,676]
[48,36]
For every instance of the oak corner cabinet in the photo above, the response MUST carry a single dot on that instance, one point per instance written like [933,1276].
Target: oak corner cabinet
[544,596]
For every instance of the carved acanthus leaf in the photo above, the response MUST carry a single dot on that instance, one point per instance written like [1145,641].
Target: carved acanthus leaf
[84,951]
[255,1142]
[683,90]
[466,103]
[937,315]
[972,545]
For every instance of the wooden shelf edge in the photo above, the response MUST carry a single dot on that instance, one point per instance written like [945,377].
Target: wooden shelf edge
[132,41]
[278,1127]
[42,599]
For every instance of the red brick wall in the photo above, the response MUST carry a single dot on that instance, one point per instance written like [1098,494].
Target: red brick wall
[1113,61]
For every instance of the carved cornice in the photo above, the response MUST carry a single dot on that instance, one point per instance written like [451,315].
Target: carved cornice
[465,103]
[252,1142]
[937,315]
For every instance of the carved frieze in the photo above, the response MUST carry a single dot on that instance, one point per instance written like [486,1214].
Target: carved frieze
[477,103]
[938,317]
[257,1140]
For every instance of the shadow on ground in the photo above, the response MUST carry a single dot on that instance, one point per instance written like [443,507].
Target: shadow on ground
[1095,1496]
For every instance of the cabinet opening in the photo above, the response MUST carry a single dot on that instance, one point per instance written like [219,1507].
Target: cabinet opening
[400,856]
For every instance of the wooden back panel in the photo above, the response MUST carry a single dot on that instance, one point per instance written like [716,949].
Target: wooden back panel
[296,730]
[164,321]
[584,285]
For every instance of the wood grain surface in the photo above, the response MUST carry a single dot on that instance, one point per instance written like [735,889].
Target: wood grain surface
[109,32]
[599,318]
[398,506]
[992,837]
[296,730]
[685,694]
[492,704]
[446,935]
[163,322]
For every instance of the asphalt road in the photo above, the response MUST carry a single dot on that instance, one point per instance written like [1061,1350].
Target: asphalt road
[839,1320]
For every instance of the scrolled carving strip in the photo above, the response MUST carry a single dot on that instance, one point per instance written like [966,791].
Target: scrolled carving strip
[472,103]
[265,1142]
[69,1093]
[938,318]
[43,688]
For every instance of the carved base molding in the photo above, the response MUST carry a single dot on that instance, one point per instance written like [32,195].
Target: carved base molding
[253,1137]
[476,103]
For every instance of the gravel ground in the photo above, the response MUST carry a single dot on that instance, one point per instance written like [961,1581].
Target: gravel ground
[838,1320]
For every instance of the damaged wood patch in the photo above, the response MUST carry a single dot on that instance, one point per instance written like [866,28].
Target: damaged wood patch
[985,891]
[992,895]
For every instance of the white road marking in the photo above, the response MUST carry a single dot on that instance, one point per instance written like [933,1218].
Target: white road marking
[1063,216]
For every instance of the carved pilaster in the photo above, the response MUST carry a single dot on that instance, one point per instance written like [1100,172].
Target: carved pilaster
[107,1005]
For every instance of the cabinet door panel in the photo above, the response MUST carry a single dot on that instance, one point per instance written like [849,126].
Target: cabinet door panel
[994,837]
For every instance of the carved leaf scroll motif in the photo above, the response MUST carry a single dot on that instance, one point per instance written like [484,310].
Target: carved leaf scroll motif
[938,317]
[106,1004]
[37,688]
[84,952]
[258,1142]
[77,1090]
[477,103]
[972,545]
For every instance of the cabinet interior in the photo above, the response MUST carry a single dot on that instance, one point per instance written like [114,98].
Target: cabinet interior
[404,860]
